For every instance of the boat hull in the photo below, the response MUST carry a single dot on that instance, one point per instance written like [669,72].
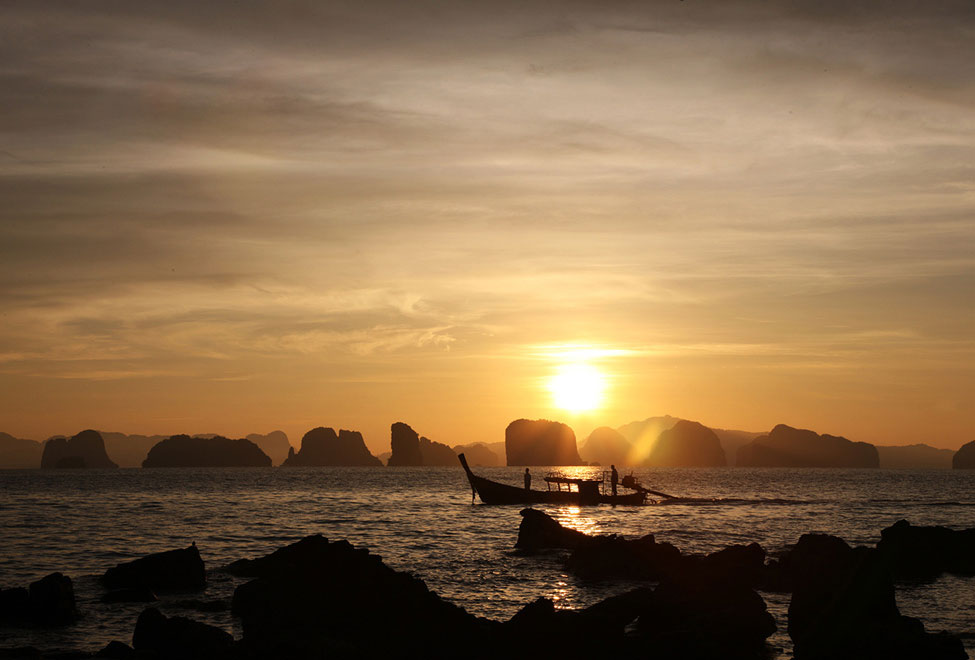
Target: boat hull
[492,492]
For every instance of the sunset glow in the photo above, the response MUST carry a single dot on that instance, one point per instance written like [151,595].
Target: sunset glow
[577,387]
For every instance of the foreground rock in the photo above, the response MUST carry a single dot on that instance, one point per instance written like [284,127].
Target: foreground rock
[323,447]
[843,607]
[46,602]
[926,552]
[179,638]
[539,531]
[785,446]
[687,444]
[315,598]
[173,570]
[84,450]
[540,442]
[964,458]
[218,451]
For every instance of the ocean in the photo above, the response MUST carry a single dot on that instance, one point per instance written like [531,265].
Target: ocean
[421,520]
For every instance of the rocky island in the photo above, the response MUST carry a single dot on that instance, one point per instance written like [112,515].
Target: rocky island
[785,446]
[218,451]
[84,450]
[540,442]
[410,449]
[323,447]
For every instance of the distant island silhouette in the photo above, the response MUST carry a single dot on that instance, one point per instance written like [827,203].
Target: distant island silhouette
[410,449]
[84,450]
[218,451]
[540,442]
[964,459]
[785,446]
[321,446]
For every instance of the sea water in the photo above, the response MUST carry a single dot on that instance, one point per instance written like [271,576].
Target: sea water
[421,520]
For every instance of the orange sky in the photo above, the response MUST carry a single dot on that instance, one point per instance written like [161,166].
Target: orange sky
[226,220]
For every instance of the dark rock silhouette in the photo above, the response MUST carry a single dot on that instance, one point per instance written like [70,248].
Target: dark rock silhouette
[687,444]
[606,446]
[19,453]
[540,442]
[843,606]
[172,570]
[184,451]
[88,446]
[70,463]
[696,616]
[321,446]
[409,448]
[914,456]
[732,440]
[116,650]
[275,444]
[405,445]
[927,552]
[179,638]
[785,446]
[964,458]
[437,453]
[539,531]
[479,455]
[46,602]
[615,558]
[643,435]
[315,599]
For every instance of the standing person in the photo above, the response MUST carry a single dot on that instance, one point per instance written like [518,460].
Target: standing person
[528,480]
[614,478]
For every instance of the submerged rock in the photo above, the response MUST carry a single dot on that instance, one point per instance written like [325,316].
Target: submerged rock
[321,446]
[179,638]
[86,449]
[540,442]
[964,458]
[173,570]
[927,552]
[216,451]
[47,602]
[687,444]
[539,531]
[785,446]
[116,650]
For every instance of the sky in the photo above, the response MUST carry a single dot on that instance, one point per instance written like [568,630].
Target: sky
[234,217]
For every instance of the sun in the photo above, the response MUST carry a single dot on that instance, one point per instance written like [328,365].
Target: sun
[577,387]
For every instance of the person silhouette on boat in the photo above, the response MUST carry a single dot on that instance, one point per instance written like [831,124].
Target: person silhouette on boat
[528,480]
[614,478]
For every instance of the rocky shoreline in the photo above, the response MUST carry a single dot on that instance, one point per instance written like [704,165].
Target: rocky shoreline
[316,598]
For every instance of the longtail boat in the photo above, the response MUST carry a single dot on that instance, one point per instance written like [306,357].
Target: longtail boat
[576,491]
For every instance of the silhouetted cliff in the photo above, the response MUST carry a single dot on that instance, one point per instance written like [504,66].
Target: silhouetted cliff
[915,456]
[408,448]
[540,442]
[184,451]
[789,447]
[479,454]
[405,444]
[964,458]
[732,441]
[606,446]
[275,444]
[321,446]
[18,453]
[687,444]
[87,449]
[643,435]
